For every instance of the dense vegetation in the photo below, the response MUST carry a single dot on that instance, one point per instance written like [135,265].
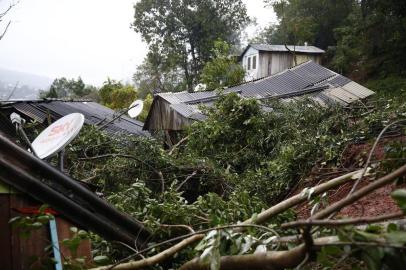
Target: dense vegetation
[362,38]
[240,161]
[181,37]
[248,156]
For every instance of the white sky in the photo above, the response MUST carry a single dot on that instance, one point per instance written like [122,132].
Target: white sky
[87,38]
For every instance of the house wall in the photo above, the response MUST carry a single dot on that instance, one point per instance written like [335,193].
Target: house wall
[280,61]
[274,62]
[303,57]
[251,73]
[19,253]
[163,117]
[264,64]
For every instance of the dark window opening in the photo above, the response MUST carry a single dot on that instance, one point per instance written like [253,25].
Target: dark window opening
[254,62]
[249,63]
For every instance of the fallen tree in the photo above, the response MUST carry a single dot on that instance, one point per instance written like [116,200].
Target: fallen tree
[278,259]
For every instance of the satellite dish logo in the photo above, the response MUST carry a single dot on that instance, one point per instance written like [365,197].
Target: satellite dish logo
[57,131]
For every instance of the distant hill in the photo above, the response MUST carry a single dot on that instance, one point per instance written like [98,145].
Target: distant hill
[21,85]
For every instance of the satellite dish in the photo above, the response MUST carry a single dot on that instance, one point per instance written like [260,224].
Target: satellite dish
[135,108]
[59,134]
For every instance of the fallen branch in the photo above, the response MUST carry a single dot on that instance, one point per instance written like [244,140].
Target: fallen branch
[186,227]
[187,179]
[177,145]
[383,181]
[271,260]
[299,198]
[162,256]
[159,173]
[371,154]
[185,237]
[341,222]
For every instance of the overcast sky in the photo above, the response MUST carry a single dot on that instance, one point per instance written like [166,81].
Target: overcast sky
[87,38]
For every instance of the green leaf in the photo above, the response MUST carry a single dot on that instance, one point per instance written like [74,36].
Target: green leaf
[396,237]
[399,196]
[101,259]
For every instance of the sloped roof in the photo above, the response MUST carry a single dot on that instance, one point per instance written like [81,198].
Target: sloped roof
[307,79]
[37,178]
[282,48]
[94,114]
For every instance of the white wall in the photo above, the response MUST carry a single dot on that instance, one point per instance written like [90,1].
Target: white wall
[252,73]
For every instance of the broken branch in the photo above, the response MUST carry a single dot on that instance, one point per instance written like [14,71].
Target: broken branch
[383,181]
[299,198]
[342,222]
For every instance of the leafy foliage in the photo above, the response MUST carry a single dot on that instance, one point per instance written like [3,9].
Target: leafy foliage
[64,88]
[245,157]
[182,33]
[269,151]
[359,36]
[222,70]
[116,95]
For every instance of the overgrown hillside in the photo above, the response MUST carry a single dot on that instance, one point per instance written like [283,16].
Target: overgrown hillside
[240,161]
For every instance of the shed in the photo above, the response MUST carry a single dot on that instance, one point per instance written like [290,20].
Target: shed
[261,60]
[174,111]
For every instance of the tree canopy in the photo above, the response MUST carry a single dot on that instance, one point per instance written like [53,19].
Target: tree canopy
[223,70]
[65,88]
[358,35]
[182,32]
[115,95]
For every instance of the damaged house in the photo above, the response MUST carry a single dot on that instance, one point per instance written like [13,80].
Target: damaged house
[172,112]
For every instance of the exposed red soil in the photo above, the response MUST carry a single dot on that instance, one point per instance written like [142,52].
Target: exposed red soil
[354,156]
[377,203]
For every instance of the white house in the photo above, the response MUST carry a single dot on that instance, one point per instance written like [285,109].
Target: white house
[261,60]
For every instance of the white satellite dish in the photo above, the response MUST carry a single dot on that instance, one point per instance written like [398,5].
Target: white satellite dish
[59,134]
[135,108]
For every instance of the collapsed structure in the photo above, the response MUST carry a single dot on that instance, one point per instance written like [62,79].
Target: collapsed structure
[175,111]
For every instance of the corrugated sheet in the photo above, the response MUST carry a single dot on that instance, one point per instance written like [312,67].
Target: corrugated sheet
[282,48]
[184,97]
[94,114]
[341,94]
[31,111]
[357,89]
[307,80]
[312,72]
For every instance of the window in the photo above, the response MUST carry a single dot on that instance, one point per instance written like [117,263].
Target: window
[249,63]
[254,62]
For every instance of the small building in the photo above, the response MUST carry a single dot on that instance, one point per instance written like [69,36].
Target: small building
[46,110]
[27,183]
[261,60]
[173,112]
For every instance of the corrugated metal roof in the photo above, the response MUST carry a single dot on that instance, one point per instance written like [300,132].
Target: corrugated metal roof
[308,79]
[94,114]
[282,48]
[357,89]
[31,111]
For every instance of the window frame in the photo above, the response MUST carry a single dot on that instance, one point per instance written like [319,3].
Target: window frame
[248,63]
